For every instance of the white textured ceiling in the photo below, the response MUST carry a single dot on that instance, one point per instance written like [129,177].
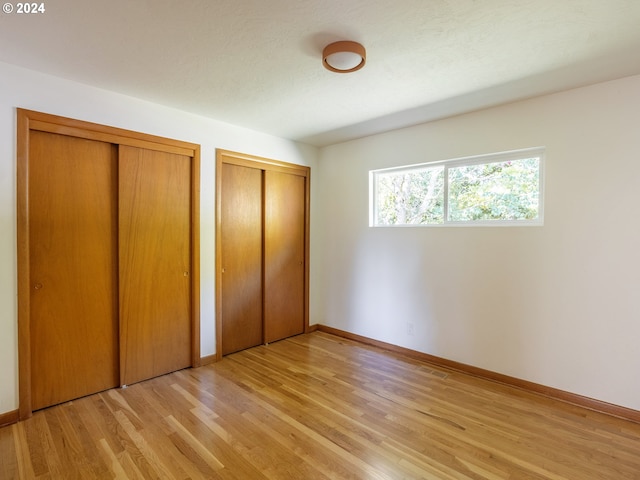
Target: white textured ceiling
[256,63]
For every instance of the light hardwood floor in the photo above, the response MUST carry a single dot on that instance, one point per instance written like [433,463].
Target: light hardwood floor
[318,406]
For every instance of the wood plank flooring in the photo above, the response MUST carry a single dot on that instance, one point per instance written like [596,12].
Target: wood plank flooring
[318,406]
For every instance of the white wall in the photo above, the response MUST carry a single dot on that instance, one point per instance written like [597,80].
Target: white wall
[557,305]
[34,91]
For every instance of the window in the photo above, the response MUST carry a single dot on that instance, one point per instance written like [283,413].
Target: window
[495,189]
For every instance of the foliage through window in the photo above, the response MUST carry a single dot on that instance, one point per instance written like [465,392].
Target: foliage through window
[496,189]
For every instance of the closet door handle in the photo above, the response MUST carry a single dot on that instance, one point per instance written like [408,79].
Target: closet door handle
[37,286]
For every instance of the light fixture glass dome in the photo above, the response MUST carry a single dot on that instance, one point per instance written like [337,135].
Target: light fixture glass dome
[344,57]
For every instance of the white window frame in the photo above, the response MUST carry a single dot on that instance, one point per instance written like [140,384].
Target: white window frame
[512,155]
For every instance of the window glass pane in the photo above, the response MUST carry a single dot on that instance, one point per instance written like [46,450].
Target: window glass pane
[494,191]
[410,197]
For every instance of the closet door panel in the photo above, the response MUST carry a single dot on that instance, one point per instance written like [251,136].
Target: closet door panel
[155,263]
[284,255]
[241,257]
[72,267]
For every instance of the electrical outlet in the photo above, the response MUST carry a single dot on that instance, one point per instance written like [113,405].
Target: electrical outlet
[410,329]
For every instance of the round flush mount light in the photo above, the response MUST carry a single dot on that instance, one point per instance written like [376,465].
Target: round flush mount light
[344,57]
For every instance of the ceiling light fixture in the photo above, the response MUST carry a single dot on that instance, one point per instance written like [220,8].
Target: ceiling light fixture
[344,56]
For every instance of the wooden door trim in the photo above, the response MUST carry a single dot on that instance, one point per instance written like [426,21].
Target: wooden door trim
[28,120]
[264,164]
[24,322]
[196,361]
[45,122]
[246,160]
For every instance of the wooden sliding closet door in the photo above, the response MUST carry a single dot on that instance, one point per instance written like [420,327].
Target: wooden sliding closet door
[284,255]
[155,262]
[262,257]
[241,257]
[108,256]
[73,275]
